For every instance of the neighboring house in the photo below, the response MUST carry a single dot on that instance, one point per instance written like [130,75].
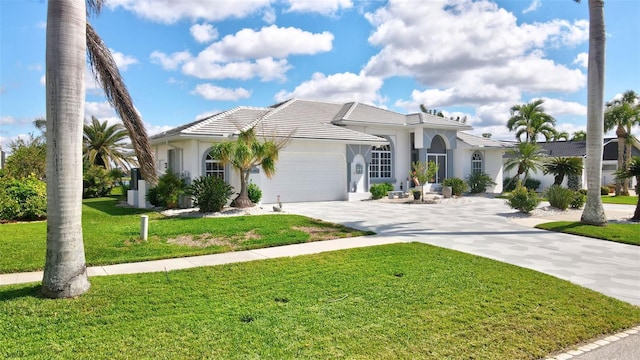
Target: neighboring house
[335,151]
[579,149]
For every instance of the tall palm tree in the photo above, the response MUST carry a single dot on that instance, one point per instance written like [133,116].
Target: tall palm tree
[531,120]
[622,114]
[526,157]
[632,169]
[593,212]
[560,136]
[103,145]
[563,166]
[69,36]
[579,135]
[244,154]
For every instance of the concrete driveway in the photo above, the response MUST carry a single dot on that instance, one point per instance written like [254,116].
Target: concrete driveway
[487,227]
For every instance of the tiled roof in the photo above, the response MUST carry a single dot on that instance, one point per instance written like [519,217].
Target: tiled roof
[565,148]
[479,141]
[436,121]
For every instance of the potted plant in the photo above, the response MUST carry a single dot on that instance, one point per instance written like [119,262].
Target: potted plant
[422,172]
[417,194]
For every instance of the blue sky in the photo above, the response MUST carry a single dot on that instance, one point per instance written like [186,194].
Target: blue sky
[184,59]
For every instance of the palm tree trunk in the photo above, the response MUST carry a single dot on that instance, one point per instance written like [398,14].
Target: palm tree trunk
[65,271]
[620,133]
[243,201]
[593,211]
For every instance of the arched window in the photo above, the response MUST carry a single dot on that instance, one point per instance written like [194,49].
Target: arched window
[437,153]
[213,167]
[380,162]
[476,162]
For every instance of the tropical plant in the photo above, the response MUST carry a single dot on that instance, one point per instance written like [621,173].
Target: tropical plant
[254,193]
[458,186]
[526,157]
[103,145]
[211,193]
[531,120]
[622,114]
[479,182]
[70,40]
[579,135]
[378,191]
[28,157]
[632,170]
[423,172]
[563,166]
[23,200]
[579,198]
[560,136]
[96,182]
[559,197]
[593,212]
[244,154]
[523,199]
[574,182]
[167,192]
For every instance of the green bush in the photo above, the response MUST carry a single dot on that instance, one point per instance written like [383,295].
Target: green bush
[604,190]
[523,199]
[210,192]
[479,182]
[508,184]
[254,192]
[23,200]
[458,186]
[378,191]
[167,192]
[559,197]
[573,182]
[532,184]
[96,182]
[579,198]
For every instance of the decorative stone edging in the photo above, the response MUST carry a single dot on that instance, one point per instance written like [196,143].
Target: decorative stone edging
[596,344]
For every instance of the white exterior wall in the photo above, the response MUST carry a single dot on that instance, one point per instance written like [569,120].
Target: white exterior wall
[492,164]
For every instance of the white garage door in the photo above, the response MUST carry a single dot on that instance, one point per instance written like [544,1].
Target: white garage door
[307,177]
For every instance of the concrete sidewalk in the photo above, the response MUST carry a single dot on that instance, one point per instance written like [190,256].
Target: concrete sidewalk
[475,225]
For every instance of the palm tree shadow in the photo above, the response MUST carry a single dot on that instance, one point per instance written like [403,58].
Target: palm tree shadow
[109,206]
[32,291]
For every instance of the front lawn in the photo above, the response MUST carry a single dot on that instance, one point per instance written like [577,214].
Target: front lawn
[111,235]
[623,233]
[626,200]
[394,301]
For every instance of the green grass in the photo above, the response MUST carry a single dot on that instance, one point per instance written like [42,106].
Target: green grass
[395,301]
[111,235]
[622,233]
[626,200]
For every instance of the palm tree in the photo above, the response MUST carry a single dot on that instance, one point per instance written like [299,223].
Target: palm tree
[531,120]
[632,169]
[593,212]
[103,145]
[526,157]
[69,36]
[560,136]
[622,114]
[244,154]
[563,166]
[579,135]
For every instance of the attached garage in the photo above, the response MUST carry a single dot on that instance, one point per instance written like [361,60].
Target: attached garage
[307,176]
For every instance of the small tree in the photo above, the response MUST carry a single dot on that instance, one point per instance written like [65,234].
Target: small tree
[632,170]
[563,166]
[423,172]
[28,157]
[244,154]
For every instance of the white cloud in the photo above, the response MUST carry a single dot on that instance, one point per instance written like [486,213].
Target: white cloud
[206,114]
[266,69]
[101,110]
[7,120]
[170,62]
[582,60]
[123,61]
[156,129]
[203,33]
[269,15]
[171,11]
[341,87]
[557,107]
[326,7]
[535,5]
[212,92]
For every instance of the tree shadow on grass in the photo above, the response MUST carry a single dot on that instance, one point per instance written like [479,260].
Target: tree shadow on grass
[109,206]
[21,292]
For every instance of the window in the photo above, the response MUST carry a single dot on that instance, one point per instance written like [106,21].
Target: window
[380,162]
[476,162]
[213,167]
[609,167]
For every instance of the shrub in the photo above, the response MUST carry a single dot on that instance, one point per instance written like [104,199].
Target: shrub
[254,192]
[479,182]
[378,191]
[604,190]
[211,193]
[166,193]
[508,184]
[559,197]
[458,186]
[22,200]
[579,198]
[574,182]
[523,199]
[532,184]
[96,182]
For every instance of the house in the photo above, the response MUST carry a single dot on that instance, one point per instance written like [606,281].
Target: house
[334,151]
[579,149]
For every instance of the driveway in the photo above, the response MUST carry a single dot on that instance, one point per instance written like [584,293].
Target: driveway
[487,227]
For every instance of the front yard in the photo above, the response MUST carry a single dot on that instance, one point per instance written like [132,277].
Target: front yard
[111,235]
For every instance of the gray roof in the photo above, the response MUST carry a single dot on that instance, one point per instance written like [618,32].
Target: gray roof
[482,142]
[564,148]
